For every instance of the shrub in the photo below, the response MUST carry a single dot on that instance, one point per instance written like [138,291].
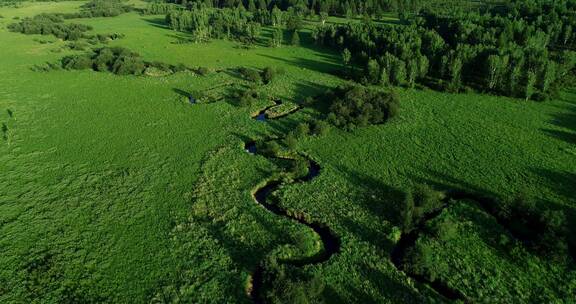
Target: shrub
[50,24]
[320,127]
[202,71]
[250,74]
[285,285]
[299,167]
[116,60]
[360,106]
[77,62]
[290,141]
[268,74]
[302,129]
[102,8]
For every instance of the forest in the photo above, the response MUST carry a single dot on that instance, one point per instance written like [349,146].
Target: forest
[506,51]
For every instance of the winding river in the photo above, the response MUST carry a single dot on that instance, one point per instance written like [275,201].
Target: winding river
[330,242]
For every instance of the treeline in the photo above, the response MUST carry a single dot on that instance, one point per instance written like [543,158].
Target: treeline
[119,61]
[205,23]
[334,7]
[50,24]
[524,51]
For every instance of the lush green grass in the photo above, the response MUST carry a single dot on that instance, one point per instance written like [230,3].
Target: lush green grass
[115,189]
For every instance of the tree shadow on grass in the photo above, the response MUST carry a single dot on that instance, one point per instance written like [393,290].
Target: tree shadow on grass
[157,22]
[377,199]
[386,288]
[566,120]
[313,65]
[562,183]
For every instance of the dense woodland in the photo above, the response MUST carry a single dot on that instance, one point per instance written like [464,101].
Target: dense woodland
[523,49]
[526,51]
[333,7]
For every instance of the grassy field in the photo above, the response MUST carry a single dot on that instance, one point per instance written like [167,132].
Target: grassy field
[114,189]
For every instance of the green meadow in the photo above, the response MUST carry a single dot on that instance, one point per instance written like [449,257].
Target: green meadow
[116,189]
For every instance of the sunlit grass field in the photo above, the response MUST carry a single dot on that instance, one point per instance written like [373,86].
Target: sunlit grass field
[115,189]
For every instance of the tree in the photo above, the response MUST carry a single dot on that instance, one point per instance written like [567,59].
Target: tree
[295,38]
[493,70]
[268,74]
[302,129]
[251,6]
[277,37]
[398,72]
[373,71]
[291,141]
[346,57]
[320,127]
[530,82]
[276,17]
[323,17]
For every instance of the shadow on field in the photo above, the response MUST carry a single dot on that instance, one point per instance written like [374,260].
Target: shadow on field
[377,199]
[387,287]
[243,253]
[562,183]
[322,67]
[566,120]
[157,22]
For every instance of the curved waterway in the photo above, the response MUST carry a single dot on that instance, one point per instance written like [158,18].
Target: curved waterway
[330,242]
[408,240]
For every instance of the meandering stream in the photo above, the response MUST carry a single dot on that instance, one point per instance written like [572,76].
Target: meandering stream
[330,242]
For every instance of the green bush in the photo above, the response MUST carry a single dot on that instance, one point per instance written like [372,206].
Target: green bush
[320,127]
[268,74]
[250,74]
[360,106]
[50,24]
[116,60]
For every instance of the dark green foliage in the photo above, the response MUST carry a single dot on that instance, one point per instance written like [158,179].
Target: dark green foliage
[50,24]
[320,127]
[299,167]
[249,74]
[160,8]
[419,202]
[284,284]
[295,38]
[407,213]
[302,129]
[102,8]
[360,106]
[269,74]
[277,38]
[205,23]
[245,97]
[524,50]
[291,141]
[544,229]
[270,148]
[116,60]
